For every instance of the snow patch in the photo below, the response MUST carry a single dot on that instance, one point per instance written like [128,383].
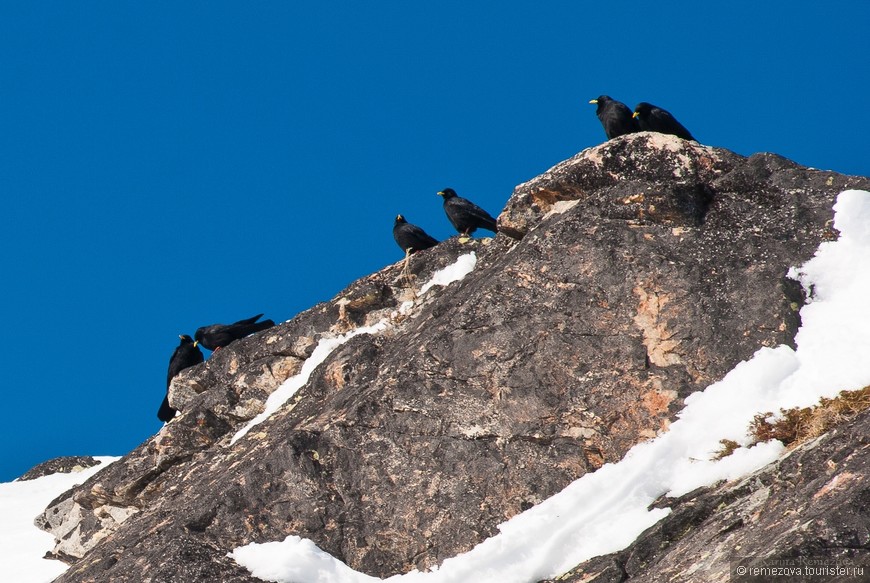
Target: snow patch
[289,387]
[295,560]
[22,544]
[454,272]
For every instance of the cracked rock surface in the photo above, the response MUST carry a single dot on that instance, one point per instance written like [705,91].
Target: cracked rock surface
[624,279]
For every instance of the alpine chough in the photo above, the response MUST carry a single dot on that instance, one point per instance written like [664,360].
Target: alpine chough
[655,119]
[615,116]
[186,355]
[411,238]
[466,216]
[219,335]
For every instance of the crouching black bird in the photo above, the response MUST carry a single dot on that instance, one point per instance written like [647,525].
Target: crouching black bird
[655,119]
[466,216]
[615,116]
[411,238]
[186,355]
[219,335]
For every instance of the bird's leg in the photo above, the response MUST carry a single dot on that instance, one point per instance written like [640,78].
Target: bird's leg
[406,272]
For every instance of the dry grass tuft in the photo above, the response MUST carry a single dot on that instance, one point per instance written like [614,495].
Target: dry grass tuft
[797,425]
[728,447]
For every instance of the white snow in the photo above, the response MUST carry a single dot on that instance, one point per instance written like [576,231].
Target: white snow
[289,387]
[22,544]
[296,559]
[604,511]
[453,272]
[443,277]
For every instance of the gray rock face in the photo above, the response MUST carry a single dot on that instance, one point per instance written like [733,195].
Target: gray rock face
[634,274]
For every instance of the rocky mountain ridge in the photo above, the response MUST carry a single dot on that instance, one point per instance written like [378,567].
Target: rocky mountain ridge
[621,281]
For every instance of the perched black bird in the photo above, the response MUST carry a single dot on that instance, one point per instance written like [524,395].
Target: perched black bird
[615,116]
[411,238]
[186,355]
[219,335]
[466,216]
[655,119]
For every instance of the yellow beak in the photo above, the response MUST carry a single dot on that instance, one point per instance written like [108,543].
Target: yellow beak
[593,101]
[195,343]
[635,114]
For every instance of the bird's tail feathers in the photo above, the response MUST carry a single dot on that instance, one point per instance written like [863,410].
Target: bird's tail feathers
[258,326]
[250,320]
[166,413]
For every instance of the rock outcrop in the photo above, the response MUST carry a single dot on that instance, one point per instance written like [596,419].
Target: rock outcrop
[626,278]
[59,465]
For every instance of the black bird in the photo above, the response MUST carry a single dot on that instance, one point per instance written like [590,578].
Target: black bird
[411,238]
[615,116]
[655,119]
[186,355]
[219,335]
[466,216]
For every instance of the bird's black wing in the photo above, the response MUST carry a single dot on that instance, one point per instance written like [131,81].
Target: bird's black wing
[662,121]
[617,120]
[418,238]
[185,356]
[175,365]
[483,219]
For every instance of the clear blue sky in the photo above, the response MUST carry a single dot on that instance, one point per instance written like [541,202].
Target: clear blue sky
[167,165]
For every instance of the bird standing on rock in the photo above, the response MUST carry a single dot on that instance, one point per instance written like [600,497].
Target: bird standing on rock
[186,355]
[466,216]
[655,119]
[219,335]
[615,116]
[411,238]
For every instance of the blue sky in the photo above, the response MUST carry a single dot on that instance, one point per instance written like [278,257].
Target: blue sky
[170,165]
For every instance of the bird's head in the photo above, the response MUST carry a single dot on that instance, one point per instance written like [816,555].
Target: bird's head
[400,219]
[185,339]
[600,100]
[642,109]
[198,336]
[447,193]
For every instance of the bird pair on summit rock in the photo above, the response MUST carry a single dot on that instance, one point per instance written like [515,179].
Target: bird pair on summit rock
[465,216]
[213,337]
[619,120]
